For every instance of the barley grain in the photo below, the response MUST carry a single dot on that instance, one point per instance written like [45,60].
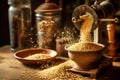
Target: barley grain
[85,36]
[38,56]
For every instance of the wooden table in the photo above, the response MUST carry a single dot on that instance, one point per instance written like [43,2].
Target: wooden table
[12,69]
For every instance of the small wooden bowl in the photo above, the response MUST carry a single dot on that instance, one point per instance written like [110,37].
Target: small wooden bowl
[22,54]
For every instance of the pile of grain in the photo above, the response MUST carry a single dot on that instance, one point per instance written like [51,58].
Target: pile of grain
[37,56]
[60,72]
[54,72]
[85,35]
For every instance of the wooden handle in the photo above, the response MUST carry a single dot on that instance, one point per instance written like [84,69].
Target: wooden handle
[111,40]
[111,33]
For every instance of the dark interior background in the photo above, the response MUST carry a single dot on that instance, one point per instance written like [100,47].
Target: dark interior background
[4,27]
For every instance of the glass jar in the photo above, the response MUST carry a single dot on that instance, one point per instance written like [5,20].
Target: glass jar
[21,29]
[48,17]
[12,11]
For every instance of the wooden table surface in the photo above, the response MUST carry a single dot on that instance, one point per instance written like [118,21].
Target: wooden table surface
[12,69]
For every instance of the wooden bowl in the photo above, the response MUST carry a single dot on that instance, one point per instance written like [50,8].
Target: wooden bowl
[23,54]
[86,60]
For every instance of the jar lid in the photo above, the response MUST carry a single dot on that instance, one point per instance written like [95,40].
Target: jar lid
[48,7]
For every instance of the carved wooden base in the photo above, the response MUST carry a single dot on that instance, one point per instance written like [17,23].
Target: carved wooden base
[104,64]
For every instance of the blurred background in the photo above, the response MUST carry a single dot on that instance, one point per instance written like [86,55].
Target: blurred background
[67,8]
[67,5]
